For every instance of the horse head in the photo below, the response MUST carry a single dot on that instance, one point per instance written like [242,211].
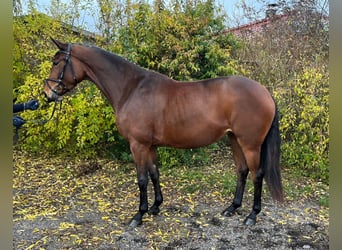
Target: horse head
[65,73]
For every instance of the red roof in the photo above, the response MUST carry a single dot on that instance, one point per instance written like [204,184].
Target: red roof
[257,25]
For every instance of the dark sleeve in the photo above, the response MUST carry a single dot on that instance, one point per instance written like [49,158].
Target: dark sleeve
[18,107]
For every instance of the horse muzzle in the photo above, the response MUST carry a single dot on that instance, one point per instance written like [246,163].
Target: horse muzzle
[50,95]
[53,97]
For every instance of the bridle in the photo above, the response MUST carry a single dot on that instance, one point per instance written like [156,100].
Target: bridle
[60,85]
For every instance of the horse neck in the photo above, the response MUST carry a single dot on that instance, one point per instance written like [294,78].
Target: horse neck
[113,75]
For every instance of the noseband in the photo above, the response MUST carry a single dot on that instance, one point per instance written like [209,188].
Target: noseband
[59,81]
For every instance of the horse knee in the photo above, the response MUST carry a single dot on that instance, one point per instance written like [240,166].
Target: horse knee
[142,183]
[242,173]
[154,175]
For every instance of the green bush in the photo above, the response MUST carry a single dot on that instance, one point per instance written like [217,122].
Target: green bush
[304,123]
[169,157]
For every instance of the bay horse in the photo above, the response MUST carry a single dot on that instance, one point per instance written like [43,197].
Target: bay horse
[154,110]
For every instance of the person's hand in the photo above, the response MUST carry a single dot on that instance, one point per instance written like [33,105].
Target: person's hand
[33,104]
[18,121]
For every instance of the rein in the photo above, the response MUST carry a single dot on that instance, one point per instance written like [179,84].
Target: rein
[42,122]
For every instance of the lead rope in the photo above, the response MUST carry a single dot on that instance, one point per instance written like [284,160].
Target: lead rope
[42,122]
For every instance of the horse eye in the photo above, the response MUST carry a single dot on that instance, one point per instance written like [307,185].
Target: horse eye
[55,63]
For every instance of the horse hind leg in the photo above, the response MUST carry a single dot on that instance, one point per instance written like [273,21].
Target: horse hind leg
[246,160]
[257,173]
[242,173]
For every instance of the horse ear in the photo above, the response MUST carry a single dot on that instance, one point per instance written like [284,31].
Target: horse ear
[60,45]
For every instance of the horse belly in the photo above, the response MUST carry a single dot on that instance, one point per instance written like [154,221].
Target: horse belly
[194,136]
[193,122]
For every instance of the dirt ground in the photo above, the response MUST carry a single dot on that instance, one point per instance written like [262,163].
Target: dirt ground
[203,229]
[59,206]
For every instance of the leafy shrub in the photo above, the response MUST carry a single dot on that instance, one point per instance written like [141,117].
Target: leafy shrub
[304,123]
[169,157]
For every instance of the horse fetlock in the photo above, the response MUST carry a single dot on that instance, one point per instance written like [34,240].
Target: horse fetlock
[256,209]
[143,208]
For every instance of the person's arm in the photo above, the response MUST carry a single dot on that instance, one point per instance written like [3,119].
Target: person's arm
[33,104]
[18,107]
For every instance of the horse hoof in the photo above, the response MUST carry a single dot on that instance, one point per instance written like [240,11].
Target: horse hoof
[228,213]
[249,222]
[134,223]
[154,211]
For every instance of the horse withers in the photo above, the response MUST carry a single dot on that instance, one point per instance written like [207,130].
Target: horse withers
[153,110]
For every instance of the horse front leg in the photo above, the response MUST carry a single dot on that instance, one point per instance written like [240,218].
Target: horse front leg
[145,159]
[143,206]
[141,159]
[154,174]
[158,197]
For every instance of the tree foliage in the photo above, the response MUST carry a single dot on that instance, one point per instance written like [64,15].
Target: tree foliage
[305,121]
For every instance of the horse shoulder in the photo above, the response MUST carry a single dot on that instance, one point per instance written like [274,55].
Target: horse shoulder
[143,108]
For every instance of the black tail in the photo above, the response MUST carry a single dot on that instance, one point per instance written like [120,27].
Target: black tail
[270,160]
